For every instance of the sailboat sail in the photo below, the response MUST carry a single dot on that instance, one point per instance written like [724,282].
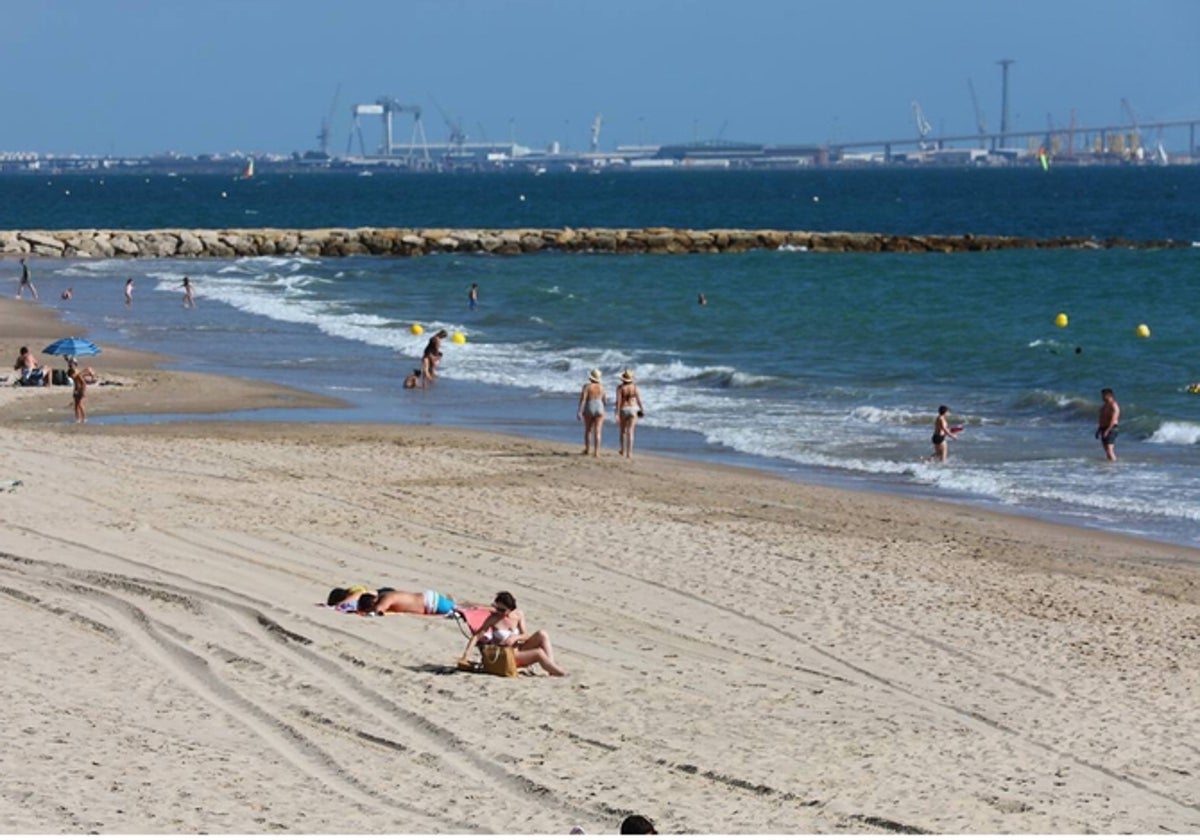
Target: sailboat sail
[248,172]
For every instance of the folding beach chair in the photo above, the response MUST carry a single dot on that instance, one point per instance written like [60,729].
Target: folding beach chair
[470,619]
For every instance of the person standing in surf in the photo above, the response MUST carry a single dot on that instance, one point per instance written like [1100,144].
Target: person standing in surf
[941,431]
[432,356]
[26,282]
[189,297]
[129,293]
[473,296]
[1106,427]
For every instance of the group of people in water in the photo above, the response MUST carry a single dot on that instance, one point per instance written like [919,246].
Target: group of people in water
[26,282]
[504,625]
[1107,428]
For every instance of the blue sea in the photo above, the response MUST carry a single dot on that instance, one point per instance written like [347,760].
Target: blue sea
[827,368]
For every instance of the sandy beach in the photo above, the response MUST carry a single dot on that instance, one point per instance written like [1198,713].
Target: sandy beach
[746,654]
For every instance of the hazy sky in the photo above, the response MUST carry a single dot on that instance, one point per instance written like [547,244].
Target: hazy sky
[147,76]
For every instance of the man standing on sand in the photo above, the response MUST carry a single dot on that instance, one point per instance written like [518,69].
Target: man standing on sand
[1106,429]
[26,282]
[129,293]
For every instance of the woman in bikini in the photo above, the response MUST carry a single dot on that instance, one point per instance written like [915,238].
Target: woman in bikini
[629,409]
[506,627]
[592,400]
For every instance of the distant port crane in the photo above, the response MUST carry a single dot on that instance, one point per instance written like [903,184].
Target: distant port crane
[980,119]
[327,123]
[385,107]
[456,137]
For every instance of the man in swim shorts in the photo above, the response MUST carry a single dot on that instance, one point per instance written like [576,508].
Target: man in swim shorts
[428,602]
[941,431]
[1106,429]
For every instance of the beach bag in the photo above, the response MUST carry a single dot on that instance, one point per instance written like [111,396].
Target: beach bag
[500,660]
[58,376]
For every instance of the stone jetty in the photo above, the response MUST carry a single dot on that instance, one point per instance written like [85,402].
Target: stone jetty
[415,242]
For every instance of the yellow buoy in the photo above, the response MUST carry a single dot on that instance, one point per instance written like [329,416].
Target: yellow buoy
[1143,331]
[416,329]
[458,338]
[1060,320]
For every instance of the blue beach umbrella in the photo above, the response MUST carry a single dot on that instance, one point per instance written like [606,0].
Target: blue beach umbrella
[72,347]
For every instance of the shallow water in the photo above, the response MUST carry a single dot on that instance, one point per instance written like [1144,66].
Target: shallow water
[828,367]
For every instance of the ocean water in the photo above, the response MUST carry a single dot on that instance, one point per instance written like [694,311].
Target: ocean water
[824,367]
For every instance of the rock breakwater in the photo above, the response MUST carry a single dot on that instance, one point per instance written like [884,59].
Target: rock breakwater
[415,242]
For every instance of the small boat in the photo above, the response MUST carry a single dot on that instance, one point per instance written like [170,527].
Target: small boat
[365,173]
[248,172]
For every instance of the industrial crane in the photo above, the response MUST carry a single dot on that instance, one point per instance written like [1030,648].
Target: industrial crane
[384,107]
[327,123]
[458,137]
[1135,136]
[923,126]
[980,119]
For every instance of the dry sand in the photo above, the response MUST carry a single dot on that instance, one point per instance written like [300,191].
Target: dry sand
[746,654]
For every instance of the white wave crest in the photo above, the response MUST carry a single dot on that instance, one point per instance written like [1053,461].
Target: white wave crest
[1176,433]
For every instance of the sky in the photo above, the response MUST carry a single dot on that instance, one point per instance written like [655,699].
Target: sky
[134,77]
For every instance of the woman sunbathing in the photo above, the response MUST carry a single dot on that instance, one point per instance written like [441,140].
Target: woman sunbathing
[428,602]
[506,627]
[346,598]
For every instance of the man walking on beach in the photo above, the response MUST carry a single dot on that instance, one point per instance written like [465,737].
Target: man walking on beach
[25,281]
[1106,429]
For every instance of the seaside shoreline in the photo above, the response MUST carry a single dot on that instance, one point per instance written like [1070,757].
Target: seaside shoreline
[746,653]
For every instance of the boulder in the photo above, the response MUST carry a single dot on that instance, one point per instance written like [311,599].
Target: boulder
[189,245]
[46,241]
[124,246]
[159,244]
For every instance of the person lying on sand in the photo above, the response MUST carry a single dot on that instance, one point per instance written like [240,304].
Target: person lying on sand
[506,627]
[346,598]
[428,602]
